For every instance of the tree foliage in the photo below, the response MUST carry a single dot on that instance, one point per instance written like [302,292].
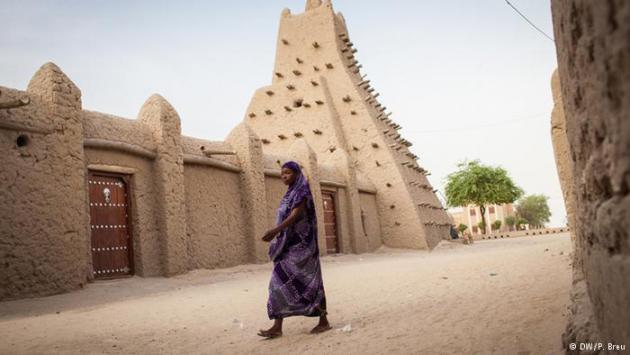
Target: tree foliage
[496,225]
[534,209]
[461,228]
[481,185]
[510,221]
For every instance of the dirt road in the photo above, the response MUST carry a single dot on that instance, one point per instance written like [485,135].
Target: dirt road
[506,296]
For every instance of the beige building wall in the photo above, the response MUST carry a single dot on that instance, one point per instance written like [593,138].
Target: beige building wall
[43,217]
[465,215]
[370,220]
[594,75]
[216,230]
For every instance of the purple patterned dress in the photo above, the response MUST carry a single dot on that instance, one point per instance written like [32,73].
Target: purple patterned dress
[296,286]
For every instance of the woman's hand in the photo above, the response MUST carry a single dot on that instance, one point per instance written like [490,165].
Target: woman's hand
[270,234]
[297,212]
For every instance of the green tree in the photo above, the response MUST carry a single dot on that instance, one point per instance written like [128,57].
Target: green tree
[520,222]
[482,226]
[510,221]
[534,209]
[461,228]
[496,225]
[481,185]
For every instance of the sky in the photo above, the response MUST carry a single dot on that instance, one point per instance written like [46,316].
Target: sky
[465,79]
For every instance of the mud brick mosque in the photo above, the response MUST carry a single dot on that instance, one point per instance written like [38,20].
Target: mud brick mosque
[86,195]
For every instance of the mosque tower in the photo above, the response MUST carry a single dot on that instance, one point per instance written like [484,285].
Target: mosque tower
[319,94]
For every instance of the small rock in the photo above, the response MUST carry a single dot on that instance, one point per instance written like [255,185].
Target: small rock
[546,249]
[445,278]
[561,253]
[493,274]
[235,320]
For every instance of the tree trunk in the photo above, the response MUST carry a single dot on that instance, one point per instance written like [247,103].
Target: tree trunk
[482,208]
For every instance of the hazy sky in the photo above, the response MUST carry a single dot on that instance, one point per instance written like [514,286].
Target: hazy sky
[465,79]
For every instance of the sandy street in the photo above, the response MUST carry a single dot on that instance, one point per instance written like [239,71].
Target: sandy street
[505,296]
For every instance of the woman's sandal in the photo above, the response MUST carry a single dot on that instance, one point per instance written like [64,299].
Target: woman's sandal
[268,334]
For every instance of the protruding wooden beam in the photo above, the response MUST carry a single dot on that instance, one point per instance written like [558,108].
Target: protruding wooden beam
[210,152]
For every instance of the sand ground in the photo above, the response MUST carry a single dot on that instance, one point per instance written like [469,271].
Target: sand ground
[506,296]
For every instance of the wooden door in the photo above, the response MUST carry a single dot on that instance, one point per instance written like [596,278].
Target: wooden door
[330,223]
[112,254]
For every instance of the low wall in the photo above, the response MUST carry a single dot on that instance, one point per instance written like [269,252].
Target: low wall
[525,233]
[215,227]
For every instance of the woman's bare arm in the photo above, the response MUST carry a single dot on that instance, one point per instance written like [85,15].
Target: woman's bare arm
[293,217]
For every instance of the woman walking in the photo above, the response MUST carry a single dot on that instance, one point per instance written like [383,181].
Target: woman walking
[296,286]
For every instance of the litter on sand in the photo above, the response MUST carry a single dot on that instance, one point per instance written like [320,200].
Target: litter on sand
[346,328]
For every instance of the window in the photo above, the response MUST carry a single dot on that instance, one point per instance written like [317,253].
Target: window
[475,229]
[473,212]
[491,209]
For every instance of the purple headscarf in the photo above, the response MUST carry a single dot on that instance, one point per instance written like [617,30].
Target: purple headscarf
[297,192]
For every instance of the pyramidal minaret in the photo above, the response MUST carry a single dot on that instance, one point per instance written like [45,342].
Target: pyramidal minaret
[320,95]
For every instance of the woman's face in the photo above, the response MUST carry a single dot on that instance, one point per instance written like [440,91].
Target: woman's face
[287,175]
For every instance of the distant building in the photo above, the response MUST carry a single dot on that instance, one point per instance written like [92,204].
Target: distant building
[471,216]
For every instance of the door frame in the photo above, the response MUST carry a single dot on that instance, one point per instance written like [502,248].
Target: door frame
[333,193]
[127,179]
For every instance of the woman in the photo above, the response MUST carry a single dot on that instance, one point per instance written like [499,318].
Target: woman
[296,286]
